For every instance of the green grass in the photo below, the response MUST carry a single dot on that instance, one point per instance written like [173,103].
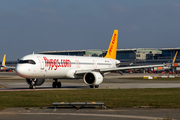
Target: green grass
[113,98]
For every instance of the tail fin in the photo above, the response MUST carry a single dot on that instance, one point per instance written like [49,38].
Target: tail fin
[175,57]
[111,53]
[4,60]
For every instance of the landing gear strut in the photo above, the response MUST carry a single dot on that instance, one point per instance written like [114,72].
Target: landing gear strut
[32,84]
[56,84]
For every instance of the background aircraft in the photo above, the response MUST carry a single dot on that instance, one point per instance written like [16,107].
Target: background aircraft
[4,66]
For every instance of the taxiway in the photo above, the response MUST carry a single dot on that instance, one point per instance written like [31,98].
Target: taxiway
[10,81]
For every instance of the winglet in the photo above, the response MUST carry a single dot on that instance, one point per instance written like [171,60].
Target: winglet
[4,60]
[111,53]
[175,57]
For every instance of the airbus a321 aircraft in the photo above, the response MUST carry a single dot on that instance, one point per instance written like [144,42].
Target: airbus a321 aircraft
[38,67]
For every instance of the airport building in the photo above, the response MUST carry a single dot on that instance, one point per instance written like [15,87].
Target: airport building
[147,55]
[144,56]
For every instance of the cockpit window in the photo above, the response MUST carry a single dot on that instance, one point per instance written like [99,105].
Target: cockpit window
[27,61]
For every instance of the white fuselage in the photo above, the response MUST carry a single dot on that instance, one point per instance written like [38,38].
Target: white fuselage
[60,66]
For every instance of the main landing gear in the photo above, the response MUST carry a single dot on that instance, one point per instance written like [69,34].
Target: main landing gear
[56,84]
[94,86]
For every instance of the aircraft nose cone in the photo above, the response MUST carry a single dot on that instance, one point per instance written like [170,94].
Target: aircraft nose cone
[20,71]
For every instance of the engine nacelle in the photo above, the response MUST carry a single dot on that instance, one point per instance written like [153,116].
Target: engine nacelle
[93,78]
[35,82]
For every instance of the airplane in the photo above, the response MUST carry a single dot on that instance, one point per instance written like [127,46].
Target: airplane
[38,67]
[4,66]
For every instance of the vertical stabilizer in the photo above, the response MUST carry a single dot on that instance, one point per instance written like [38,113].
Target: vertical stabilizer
[4,60]
[111,53]
[175,56]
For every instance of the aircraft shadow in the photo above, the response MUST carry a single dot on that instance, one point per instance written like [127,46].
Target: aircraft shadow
[41,88]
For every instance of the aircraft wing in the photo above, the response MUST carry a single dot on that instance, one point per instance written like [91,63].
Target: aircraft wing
[103,70]
[128,63]
[131,67]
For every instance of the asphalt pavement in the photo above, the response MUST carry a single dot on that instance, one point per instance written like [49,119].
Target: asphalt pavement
[89,114]
[11,82]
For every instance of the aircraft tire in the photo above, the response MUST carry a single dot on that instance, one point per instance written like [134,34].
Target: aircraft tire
[54,84]
[31,87]
[91,86]
[58,84]
[96,86]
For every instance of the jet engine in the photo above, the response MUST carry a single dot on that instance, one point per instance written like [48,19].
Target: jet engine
[93,78]
[35,82]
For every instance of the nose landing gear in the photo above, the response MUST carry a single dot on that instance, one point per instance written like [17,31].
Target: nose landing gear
[32,83]
[31,87]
